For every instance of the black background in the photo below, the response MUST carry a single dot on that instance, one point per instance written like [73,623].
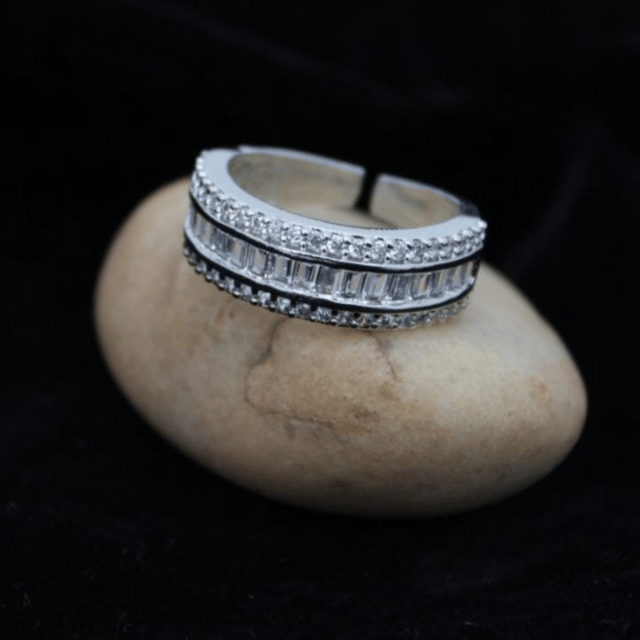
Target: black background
[530,109]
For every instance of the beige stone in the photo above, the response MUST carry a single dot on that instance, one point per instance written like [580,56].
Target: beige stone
[405,423]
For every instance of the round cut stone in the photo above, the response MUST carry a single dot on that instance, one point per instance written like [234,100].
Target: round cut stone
[377,251]
[334,245]
[397,251]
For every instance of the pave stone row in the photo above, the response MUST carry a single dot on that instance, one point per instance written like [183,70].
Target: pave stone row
[289,305]
[331,283]
[338,246]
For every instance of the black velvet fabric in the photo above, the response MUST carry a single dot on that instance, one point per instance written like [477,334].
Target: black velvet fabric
[530,109]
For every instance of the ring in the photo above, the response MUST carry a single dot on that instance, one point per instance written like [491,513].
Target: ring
[259,227]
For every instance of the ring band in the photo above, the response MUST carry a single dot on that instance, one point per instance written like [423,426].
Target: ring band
[242,234]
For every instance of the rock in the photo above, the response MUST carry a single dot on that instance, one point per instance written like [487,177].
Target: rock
[399,423]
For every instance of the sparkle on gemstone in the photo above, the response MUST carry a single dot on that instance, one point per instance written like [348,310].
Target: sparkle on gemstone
[275,232]
[258,261]
[419,286]
[436,284]
[377,251]
[407,320]
[229,211]
[450,279]
[315,239]
[398,286]
[303,310]
[322,314]
[326,280]
[231,285]
[283,305]
[295,237]
[397,251]
[334,245]
[355,249]
[350,283]
[202,228]
[282,268]
[264,297]
[415,252]
[222,243]
[259,227]
[375,286]
[237,252]
[304,275]
[243,218]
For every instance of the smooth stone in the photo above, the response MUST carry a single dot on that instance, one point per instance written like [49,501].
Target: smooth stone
[398,423]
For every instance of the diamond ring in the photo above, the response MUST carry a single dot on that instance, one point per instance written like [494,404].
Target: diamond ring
[259,226]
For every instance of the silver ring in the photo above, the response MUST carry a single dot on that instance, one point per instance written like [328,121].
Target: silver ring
[249,229]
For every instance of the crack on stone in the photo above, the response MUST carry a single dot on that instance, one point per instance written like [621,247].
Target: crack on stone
[268,351]
[384,352]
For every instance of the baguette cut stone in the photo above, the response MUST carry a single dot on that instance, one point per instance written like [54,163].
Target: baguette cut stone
[375,286]
[350,284]
[282,268]
[326,280]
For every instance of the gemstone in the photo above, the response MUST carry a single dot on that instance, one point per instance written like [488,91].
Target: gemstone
[375,286]
[377,251]
[355,248]
[229,211]
[295,237]
[281,269]
[243,218]
[259,262]
[397,251]
[326,280]
[222,243]
[283,305]
[231,286]
[419,286]
[435,284]
[264,298]
[407,320]
[303,310]
[304,275]
[450,279]
[398,286]
[388,322]
[275,231]
[259,227]
[322,314]
[219,280]
[350,283]
[363,320]
[446,249]
[464,272]
[315,238]
[333,245]
[237,252]
[203,228]
[415,252]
